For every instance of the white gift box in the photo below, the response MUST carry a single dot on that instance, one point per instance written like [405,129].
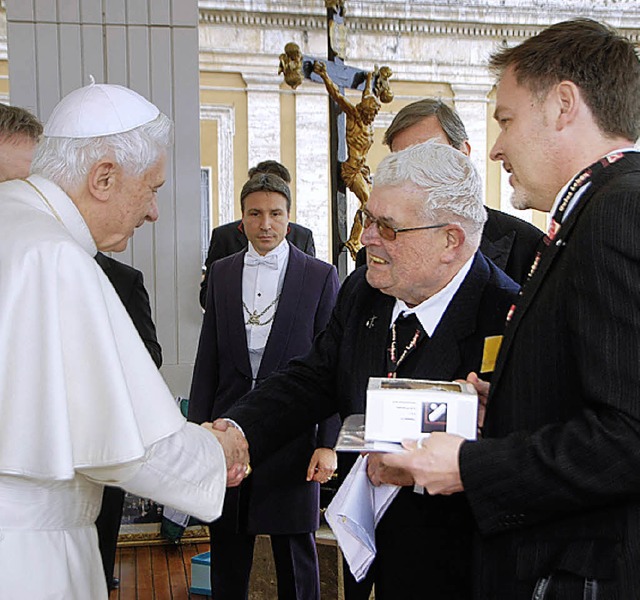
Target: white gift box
[399,409]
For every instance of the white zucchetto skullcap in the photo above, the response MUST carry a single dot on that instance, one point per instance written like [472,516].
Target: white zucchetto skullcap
[99,109]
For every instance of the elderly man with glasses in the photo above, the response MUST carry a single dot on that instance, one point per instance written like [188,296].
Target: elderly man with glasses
[429,306]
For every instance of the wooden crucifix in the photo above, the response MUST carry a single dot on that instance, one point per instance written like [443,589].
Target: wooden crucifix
[351,125]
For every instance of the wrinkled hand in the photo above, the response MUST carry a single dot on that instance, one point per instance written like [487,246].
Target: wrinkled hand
[482,389]
[236,450]
[433,465]
[380,472]
[322,465]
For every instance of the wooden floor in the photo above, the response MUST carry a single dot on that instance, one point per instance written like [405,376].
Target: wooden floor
[163,572]
[156,572]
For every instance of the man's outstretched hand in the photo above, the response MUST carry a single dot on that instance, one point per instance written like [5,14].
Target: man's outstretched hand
[235,447]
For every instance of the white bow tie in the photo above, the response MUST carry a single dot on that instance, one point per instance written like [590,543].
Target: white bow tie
[271,261]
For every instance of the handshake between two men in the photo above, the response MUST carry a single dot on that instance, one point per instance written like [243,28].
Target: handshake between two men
[432,463]
[236,450]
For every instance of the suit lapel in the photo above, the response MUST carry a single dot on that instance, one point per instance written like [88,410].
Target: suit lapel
[283,322]
[549,256]
[529,292]
[498,250]
[373,335]
[233,314]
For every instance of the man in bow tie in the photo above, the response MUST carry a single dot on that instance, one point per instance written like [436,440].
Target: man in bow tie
[422,228]
[264,306]
[231,238]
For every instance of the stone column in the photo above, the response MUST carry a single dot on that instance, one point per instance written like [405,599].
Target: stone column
[263,111]
[312,166]
[471,101]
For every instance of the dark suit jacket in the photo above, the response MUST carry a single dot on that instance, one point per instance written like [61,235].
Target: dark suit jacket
[334,376]
[276,498]
[129,285]
[509,242]
[230,238]
[556,488]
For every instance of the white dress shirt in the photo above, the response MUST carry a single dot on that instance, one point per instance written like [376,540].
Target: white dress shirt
[430,312]
[262,281]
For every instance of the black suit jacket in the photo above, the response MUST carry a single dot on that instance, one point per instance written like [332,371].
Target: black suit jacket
[509,242]
[556,487]
[276,498]
[334,376]
[129,285]
[230,238]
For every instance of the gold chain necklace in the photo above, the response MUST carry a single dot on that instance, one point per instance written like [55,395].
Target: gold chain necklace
[254,317]
[54,212]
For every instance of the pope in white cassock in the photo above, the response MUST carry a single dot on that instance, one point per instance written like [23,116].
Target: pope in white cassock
[81,402]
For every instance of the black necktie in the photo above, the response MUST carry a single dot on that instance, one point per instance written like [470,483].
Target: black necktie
[405,334]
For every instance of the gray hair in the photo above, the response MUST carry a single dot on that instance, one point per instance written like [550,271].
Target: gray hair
[67,161]
[451,184]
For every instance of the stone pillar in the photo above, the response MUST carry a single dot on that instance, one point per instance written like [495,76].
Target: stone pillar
[151,47]
[471,101]
[263,111]
[312,166]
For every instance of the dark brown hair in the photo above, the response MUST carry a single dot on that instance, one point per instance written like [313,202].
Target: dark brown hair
[602,63]
[265,182]
[271,166]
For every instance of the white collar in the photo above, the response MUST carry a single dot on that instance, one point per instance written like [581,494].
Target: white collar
[430,312]
[57,202]
[281,250]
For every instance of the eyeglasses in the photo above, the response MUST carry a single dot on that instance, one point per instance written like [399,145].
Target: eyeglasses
[386,231]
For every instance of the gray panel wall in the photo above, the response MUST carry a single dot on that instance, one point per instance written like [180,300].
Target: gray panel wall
[152,47]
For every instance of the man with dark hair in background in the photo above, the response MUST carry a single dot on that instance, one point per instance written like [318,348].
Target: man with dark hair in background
[265,306]
[230,238]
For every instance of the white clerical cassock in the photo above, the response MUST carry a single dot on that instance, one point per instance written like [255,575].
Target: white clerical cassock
[81,404]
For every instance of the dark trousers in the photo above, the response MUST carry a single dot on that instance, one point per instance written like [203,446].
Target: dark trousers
[357,590]
[295,557]
[423,543]
[108,526]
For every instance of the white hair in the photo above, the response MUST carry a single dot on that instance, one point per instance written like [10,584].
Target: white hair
[451,184]
[67,161]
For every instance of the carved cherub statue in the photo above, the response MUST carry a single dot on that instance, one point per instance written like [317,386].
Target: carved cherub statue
[359,117]
[382,88]
[291,65]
